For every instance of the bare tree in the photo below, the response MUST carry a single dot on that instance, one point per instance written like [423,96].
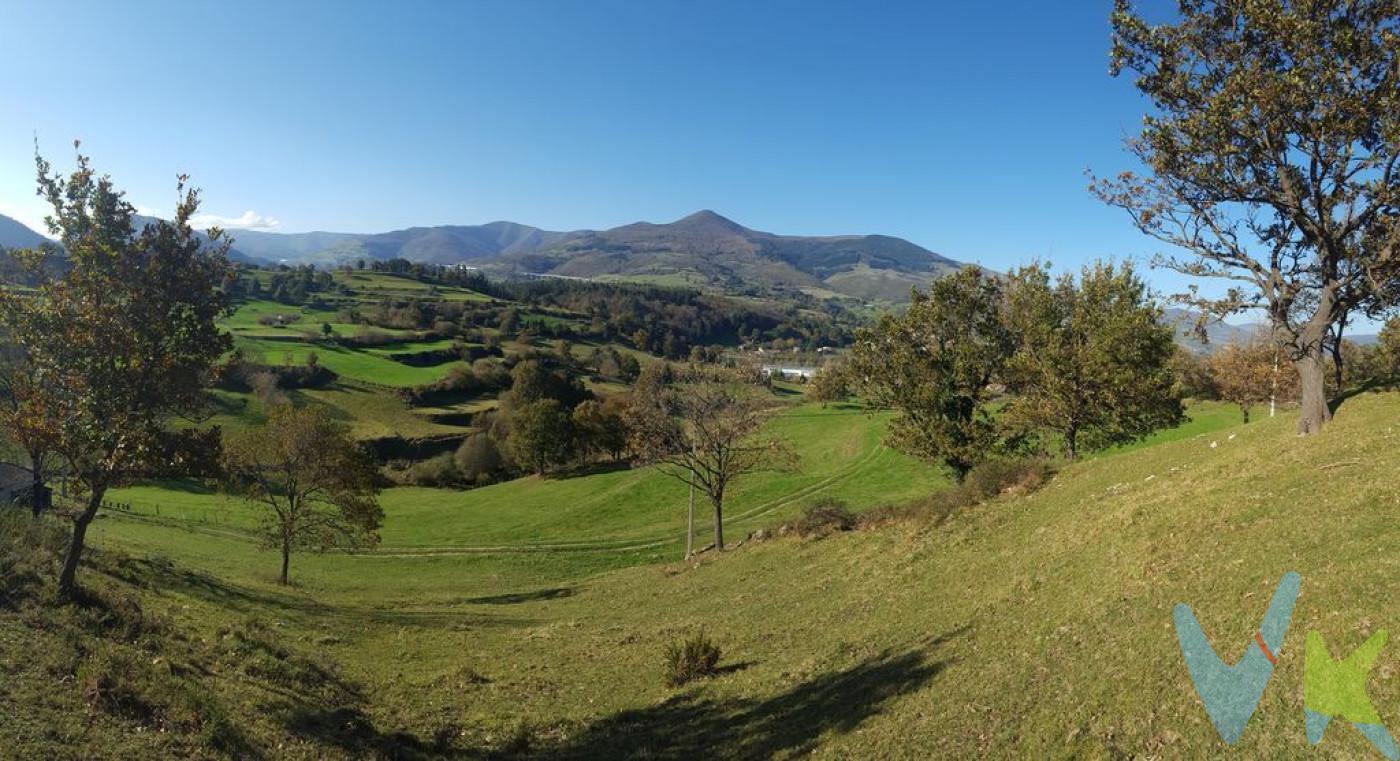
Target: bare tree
[707,435]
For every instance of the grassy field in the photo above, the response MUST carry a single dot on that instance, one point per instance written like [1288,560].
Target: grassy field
[1032,626]
[840,456]
[352,363]
[373,286]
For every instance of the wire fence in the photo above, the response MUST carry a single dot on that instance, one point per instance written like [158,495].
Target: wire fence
[205,515]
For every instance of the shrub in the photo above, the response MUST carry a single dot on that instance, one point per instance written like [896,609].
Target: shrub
[823,517]
[28,549]
[995,477]
[479,459]
[990,479]
[437,471]
[367,336]
[695,657]
[886,514]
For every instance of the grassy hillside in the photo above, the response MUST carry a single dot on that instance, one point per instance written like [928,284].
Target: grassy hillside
[610,518]
[1032,626]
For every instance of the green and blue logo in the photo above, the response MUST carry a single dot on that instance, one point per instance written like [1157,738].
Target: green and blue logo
[1331,689]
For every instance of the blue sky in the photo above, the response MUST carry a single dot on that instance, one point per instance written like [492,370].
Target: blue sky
[964,127]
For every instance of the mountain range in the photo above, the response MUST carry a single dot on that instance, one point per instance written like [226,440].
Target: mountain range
[703,249]
[13,234]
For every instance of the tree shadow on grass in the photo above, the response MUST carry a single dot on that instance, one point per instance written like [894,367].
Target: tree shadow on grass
[350,730]
[1338,400]
[162,575]
[514,598]
[186,485]
[690,726]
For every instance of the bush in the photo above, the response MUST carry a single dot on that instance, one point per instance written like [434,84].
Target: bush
[479,459]
[886,514]
[28,549]
[823,517]
[1018,476]
[992,479]
[437,471]
[695,657]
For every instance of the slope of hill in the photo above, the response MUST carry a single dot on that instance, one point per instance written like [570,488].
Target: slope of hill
[1033,626]
[703,248]
[720,252]
[14,234]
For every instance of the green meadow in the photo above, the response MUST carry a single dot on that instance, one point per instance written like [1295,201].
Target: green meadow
[528,618]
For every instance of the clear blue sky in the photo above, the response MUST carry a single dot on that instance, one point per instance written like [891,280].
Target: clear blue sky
[962,126]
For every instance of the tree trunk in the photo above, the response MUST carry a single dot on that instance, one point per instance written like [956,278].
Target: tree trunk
[1273,385]
[284,580]
[1312,374]
[1244,411]
[67,583]
[690,524]
[718,501]
[1337,364]
[36,493]
[1071,442]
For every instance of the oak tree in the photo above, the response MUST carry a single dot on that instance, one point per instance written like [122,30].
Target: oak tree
[1271,154]
[935,365]
[541,435]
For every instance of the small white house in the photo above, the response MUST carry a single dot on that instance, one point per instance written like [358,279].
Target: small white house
[789,373]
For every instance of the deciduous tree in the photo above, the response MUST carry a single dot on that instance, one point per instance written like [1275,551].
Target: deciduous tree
[541,435]
[707,435]
[121,343]
[599,427]
[1093,362]
[1272,155]
[316,483]
[1252,373]
[935,365]
[830,384]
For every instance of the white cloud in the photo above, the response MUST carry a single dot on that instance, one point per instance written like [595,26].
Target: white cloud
[249,220]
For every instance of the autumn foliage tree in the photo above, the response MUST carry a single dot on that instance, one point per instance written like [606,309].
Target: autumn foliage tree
[1252,373]
[120,344]
[316,483]
[830,384]
[1272,157]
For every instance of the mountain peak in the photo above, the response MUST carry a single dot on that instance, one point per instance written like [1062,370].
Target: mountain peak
[710,220]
